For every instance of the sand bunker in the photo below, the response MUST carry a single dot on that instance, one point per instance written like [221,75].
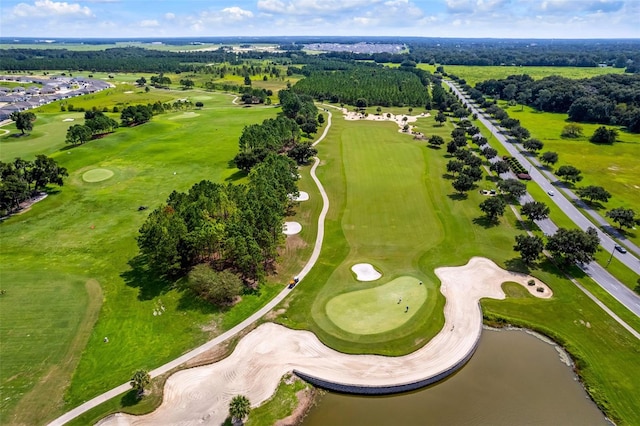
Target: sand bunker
[262,357]
[302,196]
[291,228]
[398,119]
[128,92]
[97,175]
[69,119]
[365,272]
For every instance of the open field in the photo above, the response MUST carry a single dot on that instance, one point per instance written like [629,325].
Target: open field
[614,167]
[86,233]
[474,74]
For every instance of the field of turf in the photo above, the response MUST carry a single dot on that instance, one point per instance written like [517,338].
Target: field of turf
[614,167]
[78,245]
[474,74]
[392,206]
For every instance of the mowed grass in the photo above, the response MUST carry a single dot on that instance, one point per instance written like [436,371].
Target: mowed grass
[474,73]
[614,167]
[607,354]
[379,309]
[86,231]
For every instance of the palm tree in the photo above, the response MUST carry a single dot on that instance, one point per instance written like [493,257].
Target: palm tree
[239,408]
[140,380]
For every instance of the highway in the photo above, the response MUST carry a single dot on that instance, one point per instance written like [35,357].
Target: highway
[548,182]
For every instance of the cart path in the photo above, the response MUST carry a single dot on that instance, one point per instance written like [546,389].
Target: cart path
[233,331]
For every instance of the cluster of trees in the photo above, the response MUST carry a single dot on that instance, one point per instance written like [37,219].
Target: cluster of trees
[301,109]
[24,120]
[608,99]
[22,179]
[376,85]
[134,115]
[233,228]
[255,96]
[95,123]
[567,246]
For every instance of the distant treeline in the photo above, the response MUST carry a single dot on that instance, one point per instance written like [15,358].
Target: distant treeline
[580,53]
[607,99]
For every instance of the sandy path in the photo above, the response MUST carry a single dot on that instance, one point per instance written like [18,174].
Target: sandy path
[261,358]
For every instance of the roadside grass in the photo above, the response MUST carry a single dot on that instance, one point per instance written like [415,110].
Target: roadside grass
[614,167]
[474,74]
[87,231]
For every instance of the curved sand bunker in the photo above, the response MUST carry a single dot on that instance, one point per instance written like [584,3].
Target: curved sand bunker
[291,228]
[302,196]
[365,272]
[261,358]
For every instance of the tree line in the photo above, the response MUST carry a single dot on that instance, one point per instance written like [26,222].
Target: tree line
[21,180]
[281,134]
[608,99]
[233,228]
[377,85]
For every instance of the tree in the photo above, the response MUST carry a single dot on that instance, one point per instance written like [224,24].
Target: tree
[529,247]
[219,288]
[24,120]
[247,80]
[571,131]
[549,158]
[569,174]
[573,245]
[489,153]
[199,104]
[500,167]
[239,408]
[604,135]
[141,81]
[461,113]
[378,110]
[302,152]
[623,217]
[320,119]
[187,83]
[474,172]
[513,187]
[463,183]
[435,141]
[533,145]
[493,207]
[440,117]
[535,210]
[455,166]
[78,134]
[520,133]
[140,380]
[594,193]
[452,147]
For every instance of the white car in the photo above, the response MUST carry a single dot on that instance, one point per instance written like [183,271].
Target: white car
[550,192]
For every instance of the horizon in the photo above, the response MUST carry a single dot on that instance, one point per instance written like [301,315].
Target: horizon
[450,19]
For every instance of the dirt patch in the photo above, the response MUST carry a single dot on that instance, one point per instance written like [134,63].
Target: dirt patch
[306,400]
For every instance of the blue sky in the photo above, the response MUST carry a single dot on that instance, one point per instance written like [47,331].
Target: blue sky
[437,18]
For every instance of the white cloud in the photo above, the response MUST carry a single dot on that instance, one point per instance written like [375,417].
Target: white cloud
[236,13]
[51,8]
[364,21]
[148,23]
[169,16]
[313,7]
[582,6]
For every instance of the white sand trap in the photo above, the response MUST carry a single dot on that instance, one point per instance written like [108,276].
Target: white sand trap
[69,119]
[365,272]
[261,358]
[291,228]
[303,196]
[129,92]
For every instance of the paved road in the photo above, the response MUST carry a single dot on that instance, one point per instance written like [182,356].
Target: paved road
[235,330]
[599,274]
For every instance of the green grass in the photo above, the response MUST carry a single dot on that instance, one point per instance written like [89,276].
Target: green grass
[379,309]
[86,231]
[474,74]
[97,175]
[280,405]
[614,167]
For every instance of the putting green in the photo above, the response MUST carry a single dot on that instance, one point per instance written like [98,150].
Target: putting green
[97,175]
[188,114]
[378,309]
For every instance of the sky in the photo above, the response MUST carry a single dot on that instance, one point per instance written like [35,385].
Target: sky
[432,18]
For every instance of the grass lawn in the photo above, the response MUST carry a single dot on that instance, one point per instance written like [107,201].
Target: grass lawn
[86,233]
[474,74]
[614,167]
[379,309]
[371,220]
